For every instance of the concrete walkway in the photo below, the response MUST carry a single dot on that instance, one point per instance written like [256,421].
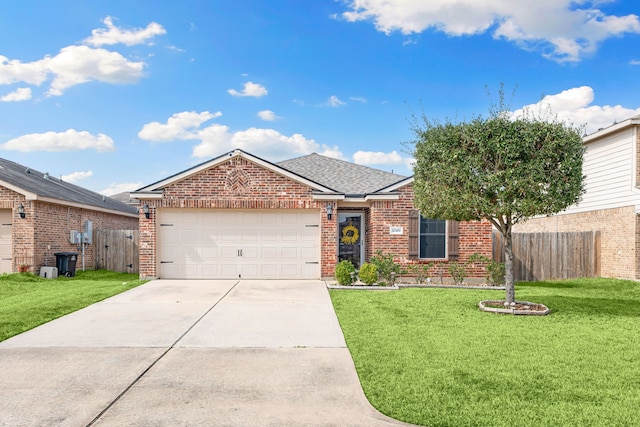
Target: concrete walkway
[188,353]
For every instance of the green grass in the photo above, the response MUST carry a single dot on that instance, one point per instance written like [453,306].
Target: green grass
[431,357]
[27,301]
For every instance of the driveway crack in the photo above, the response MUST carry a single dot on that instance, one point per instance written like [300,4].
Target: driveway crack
[159,358]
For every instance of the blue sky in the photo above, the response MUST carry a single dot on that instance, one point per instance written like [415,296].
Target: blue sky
[114,95]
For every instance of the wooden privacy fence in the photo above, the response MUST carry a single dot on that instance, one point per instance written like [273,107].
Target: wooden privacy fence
[116,250]
[545,256]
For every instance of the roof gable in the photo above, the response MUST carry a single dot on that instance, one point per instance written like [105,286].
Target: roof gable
[35,185]
[159,185]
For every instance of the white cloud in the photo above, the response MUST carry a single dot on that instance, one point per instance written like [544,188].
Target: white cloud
[77,64]
[114,35]
[379,158]
[60,141]
[20,94]
[334,101]
[80,64]
[216,139]
[358,99]
[267,115]
[14,71]
[117,188]
[574,106]
[178,126]
[634,62]
[563,30]
[250,89]
[270,143]
[76,176]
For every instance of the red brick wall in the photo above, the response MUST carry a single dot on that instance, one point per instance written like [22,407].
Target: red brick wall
[475,236]
[241,184]
[46,227]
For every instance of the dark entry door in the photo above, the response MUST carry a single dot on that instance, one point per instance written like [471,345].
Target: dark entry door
[351,238]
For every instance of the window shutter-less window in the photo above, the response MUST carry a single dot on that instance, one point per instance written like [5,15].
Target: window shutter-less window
[453,245]
[414,234]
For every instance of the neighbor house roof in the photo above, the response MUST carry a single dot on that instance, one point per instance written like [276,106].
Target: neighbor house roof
[615,127]
[36,185]
[344,177]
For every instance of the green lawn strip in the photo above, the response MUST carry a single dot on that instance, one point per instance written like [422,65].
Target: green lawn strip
[27,301]
[431,357]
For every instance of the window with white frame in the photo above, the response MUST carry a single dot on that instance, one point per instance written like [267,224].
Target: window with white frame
[432,238]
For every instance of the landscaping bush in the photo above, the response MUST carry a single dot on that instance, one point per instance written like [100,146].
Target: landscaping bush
[343,272]
[386,266]
[495,270]
[420,271]
[458,272]
[368,273]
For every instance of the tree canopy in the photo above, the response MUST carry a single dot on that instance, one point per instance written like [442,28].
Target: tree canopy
[498,168]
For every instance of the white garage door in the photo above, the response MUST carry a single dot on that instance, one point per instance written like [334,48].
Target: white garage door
[5,241]
[231,244]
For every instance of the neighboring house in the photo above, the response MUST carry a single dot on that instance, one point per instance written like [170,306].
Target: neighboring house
[38,213]
[611,203]
[239,216]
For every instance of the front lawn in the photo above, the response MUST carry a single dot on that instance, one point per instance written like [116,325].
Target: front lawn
[27,301]
[431,357]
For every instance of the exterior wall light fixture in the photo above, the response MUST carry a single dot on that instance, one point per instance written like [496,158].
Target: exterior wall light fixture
[329,211]
[21,210]
[145,209]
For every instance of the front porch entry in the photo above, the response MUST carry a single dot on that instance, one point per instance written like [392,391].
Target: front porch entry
[351,237]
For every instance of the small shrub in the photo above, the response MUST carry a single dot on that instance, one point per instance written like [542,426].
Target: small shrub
[458,272]
[495,270]
[386,266]
[343,272]
[368,273]
[420,271]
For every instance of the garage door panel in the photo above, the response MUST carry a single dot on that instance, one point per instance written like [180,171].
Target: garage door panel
[309,253]
[269,252]
[250,235]
[289,253]
[210,270]
[229,271]
[289,235]
[269,271]
[205,243]
[229,252]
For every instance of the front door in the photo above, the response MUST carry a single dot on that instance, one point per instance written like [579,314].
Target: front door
[351,238]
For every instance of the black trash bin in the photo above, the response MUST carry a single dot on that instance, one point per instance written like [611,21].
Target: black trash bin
[66,263]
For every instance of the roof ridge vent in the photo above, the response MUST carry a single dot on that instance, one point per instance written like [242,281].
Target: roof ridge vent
[27,170]
[46,175]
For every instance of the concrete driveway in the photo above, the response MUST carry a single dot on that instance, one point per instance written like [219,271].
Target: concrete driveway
[188,353]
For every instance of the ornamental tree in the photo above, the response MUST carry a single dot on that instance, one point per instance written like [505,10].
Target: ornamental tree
[498,168]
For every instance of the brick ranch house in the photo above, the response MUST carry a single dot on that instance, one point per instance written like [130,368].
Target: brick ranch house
[38,213]
[611,203]
[239,216]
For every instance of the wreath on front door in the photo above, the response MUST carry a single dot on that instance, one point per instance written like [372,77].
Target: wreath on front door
[350,235]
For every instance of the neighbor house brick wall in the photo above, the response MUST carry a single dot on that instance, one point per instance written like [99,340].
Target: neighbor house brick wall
[46,227]
[618,252]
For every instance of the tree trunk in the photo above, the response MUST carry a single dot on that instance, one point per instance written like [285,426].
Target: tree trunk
[509,285]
